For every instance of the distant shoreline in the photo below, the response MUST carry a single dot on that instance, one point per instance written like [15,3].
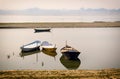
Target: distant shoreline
[60,25]
[58,74]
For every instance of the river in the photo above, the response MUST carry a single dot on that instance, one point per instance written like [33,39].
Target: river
[99,47]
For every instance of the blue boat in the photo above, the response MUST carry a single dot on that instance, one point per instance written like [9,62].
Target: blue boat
[31,46]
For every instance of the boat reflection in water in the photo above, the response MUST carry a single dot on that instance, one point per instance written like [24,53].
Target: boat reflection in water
[70,64]
[22,54]
[50,53]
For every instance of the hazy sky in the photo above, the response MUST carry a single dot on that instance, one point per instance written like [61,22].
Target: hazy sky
[58,4]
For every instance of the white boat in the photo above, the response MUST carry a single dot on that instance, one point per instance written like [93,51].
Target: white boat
[31,46]
[47,46]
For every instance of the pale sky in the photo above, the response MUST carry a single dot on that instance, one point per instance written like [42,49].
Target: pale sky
[58,4]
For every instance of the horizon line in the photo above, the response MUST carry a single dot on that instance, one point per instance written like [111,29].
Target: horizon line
[60,9]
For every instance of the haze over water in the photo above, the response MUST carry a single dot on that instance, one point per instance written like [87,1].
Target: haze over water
[71,18]
[59,11]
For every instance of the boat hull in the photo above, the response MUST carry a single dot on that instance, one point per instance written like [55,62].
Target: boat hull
[71,55]
[49,49]
[70,52]
[25,50]
[42,30]
[31,46]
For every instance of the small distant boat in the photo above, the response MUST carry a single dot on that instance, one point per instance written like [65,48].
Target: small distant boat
[69,52]
[42,29]
[48,47]
[31,46]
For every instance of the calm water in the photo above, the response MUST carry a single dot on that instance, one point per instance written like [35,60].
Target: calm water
[99,47]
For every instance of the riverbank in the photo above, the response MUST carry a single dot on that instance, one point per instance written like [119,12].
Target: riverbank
[60,25]
[61,74]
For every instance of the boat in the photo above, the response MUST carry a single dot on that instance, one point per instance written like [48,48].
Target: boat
[42,30]
[70,52]
[31,46]
[70,64]
[48,47]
